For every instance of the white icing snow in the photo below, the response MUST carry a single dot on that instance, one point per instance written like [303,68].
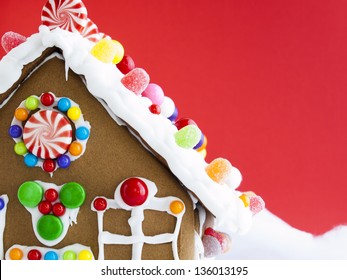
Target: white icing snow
[156,130]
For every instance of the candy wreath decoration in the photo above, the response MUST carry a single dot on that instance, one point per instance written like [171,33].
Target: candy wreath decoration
[42,128]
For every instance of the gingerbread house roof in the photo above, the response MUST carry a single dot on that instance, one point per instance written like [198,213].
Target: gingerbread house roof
[155,132]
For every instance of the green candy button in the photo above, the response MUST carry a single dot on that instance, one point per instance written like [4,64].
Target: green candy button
[72,195]
[69,255]
[30,194]
[49,227]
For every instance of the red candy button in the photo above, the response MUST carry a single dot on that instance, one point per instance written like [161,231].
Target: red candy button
[134,192]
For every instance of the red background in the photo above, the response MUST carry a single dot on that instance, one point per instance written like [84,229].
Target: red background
[265,81]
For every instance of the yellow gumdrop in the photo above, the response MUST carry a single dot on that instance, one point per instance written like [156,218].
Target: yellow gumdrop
[85,255]
[105,50]
[176,207]
[16,254]
[245,199]
[119,52]
[74,113]
[219,170]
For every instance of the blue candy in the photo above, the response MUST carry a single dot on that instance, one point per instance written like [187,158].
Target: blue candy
[2,203]
[51,256]
[64,104]
[30,160]
[82,133]
[63,161]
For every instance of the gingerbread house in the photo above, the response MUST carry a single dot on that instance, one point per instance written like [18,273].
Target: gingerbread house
[95,164]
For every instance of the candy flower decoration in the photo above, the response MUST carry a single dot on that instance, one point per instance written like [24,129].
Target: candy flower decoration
[219,170]
[46,138]
[11,40]
[52,208]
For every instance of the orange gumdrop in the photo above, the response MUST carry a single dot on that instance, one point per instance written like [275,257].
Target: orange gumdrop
[75,148]
[176,206]
[219,170]
[21,114]
[16,254]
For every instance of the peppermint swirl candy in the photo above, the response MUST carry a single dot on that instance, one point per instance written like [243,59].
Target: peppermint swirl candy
[91,32]
[47,134]
[70,15]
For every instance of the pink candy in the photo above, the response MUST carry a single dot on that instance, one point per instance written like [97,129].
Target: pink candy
[136,80]
[215,242]
[154,93]
[11,40]
[256,204]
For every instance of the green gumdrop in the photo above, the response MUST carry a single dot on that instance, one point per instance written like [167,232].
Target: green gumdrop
[30,194]
[188,136]
[72,195]
[69,255]
[49,227]
[32,103]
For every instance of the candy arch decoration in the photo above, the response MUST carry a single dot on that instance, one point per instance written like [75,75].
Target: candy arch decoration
[42,130]
[53,208]
[3,210]
[127,200]
[71,252]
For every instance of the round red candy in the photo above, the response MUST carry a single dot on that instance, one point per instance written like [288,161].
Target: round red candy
[184,122]
[49,165]
[34,255]
[155,109]
[51,195]
[126,64]
[134,192]
[47,99]
[100,204]
[45,207]
[58,209]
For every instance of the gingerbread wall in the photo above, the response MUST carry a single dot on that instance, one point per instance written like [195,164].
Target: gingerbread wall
[112,155]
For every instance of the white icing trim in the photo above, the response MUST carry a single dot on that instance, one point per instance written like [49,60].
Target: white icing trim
[3,224]
[77,248]
[104,82]
[137,238]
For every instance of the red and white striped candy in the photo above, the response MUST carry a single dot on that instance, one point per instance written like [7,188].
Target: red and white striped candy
[91,31]
[70,15]
[47,134]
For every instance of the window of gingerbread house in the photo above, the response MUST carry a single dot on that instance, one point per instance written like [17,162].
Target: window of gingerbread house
[138,195]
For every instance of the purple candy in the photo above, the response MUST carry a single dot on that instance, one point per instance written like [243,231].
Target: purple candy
[63,161]
[2,203]
[197,146]
[174,115]
[15,131]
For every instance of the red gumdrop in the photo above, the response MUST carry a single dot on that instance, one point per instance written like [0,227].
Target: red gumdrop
[136,80]
[47,99]
[58,209]
[11,40]
[155,109]
[45,207]
[184,122]
[34,255]
[134,192]
[100,204]
[126,64]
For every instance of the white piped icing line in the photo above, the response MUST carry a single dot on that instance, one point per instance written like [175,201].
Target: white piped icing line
[137,237]
[70,252]
[4,199]
[67,219]
[156,130]
[46,133]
